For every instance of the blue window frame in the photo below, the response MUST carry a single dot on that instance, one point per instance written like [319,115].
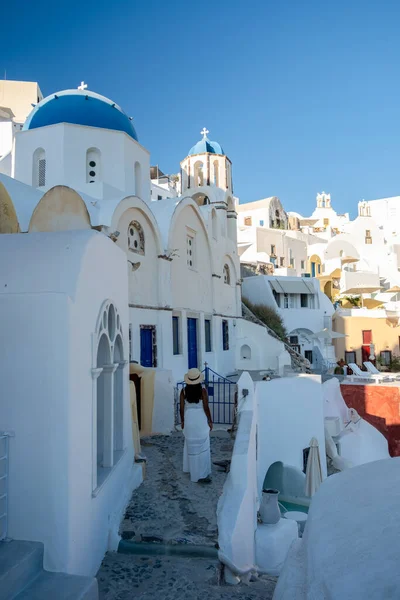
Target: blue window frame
[175,335]
[207,331]
[261,223]
[225,335]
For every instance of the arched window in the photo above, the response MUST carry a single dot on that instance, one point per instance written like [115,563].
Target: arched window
[93,165]
[216,173]
[227,275]
[39,168]
[108,377]
[198,174]
[214,225]
[136,237]
[138,180]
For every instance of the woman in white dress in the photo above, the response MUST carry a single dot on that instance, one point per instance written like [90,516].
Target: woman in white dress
[196,426]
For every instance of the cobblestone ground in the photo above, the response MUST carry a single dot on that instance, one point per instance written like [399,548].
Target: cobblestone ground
[124,577]
[169,509]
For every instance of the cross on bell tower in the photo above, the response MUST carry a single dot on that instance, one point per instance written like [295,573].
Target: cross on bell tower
[204,133]
[83,86]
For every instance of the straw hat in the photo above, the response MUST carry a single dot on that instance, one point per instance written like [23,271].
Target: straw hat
[193,377]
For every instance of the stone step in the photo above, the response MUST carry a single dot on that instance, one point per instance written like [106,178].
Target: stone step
[51,586]
[20,563]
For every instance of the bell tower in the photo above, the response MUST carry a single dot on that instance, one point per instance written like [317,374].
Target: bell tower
[206,172]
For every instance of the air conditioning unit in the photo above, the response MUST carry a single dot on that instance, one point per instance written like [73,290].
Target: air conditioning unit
[332,425]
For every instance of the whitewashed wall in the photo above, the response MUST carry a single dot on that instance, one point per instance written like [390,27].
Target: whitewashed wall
[66,146]
[50,407]
[238,504]
[290,413]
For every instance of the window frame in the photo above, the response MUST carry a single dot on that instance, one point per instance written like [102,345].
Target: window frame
[191,236]
[225,335]
[353,360]
[207,335]
[176,335]
[384,352]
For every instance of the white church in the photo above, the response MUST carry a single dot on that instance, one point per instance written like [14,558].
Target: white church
[106,274]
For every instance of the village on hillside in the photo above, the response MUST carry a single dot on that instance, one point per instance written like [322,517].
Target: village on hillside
[200,396]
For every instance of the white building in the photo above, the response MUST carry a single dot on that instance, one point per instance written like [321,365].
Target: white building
[16,101]
[305,310]
[324,221]
[71,468]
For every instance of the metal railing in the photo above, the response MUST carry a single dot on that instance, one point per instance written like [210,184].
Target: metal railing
[4,470]
[221,397]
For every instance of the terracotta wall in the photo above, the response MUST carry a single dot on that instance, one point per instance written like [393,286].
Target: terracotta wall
[380,406]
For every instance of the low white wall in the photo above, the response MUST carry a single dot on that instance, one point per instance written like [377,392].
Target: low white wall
[237,507]
[266,351]
[290,413]
[163,409]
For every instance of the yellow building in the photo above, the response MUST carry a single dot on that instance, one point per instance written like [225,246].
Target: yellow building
[363,327]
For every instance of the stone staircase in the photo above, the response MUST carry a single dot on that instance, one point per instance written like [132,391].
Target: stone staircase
[22,576]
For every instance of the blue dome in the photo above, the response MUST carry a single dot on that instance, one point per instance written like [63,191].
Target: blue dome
[80,107]
[205,145]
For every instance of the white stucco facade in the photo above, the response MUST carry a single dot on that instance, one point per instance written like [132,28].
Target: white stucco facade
[304,309]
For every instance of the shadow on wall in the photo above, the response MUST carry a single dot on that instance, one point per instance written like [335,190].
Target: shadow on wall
[380,407]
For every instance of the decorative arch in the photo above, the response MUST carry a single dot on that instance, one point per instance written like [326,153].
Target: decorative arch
[39,165]
[60,209]
[108,380]
[198,174]
[138,180]
[136,241]
[93,165]
[8,216]
[201,199]
[315,263]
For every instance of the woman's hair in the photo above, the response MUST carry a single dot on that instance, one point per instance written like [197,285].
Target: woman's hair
[193,393]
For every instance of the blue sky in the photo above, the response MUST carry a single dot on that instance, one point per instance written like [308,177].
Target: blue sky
[303,96]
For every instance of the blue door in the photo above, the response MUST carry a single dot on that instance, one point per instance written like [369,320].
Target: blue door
[192,343]
[313,269]
[146,347]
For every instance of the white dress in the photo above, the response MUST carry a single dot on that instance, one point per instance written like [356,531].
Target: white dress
[196,451]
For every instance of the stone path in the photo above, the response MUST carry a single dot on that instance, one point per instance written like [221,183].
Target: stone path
[168,509]
[124,577]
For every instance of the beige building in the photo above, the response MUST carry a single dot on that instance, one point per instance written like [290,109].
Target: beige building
[19,97]
[364,327]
